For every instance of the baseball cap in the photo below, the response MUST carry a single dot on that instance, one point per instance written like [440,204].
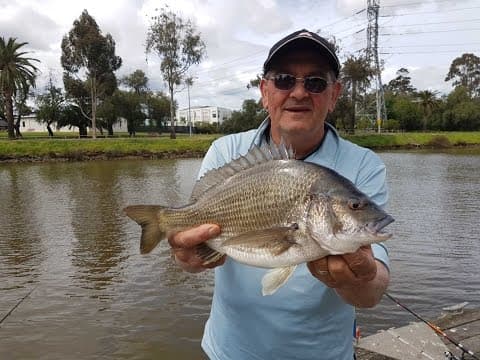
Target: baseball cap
[308,38]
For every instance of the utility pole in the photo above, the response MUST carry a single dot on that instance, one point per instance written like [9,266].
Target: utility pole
[372,55]
[189,82]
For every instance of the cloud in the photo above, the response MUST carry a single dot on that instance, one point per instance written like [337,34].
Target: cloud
[28,25]
[430,78]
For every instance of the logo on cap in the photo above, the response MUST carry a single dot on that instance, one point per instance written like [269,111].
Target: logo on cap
[305,34]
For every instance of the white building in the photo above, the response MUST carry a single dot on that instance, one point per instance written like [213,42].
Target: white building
[29,123]
[204,114]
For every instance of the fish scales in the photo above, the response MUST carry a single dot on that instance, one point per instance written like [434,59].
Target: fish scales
[260,201]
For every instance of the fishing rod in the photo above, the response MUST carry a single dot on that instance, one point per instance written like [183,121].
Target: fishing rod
[434,328]
[16,305]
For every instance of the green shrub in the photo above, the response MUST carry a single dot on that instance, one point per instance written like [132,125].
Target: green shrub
[391,125]
[439,141]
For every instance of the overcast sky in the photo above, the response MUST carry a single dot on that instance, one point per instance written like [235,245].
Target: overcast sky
[422,36]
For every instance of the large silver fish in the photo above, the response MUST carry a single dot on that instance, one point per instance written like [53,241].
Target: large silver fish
[274,212]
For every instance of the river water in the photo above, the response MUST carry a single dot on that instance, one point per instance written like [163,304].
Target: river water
[66,248]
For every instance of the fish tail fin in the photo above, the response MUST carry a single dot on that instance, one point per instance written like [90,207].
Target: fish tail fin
[149,217]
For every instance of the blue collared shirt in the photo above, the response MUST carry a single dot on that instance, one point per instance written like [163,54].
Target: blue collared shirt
[304,319]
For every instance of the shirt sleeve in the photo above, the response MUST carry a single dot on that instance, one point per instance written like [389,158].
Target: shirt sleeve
[371,178]
[223,150]
[372,181]
[212,160]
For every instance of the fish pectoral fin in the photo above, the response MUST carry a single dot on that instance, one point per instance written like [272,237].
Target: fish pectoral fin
[276,278]
[274,240]
[207,254]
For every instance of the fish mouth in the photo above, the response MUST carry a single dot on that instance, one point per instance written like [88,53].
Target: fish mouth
[376,228]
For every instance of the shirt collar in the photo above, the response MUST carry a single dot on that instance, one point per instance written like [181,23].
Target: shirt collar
[325,154]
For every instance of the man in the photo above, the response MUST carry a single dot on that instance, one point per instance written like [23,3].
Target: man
[312,316]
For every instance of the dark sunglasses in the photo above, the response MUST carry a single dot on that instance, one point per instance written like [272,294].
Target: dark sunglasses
[313,84]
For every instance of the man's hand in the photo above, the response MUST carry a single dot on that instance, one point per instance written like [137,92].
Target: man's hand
[183,245]
[357,277]
[338,271]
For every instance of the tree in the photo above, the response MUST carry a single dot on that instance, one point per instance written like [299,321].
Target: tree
[86,48]
[17,74]
[109,111]
[21,108]
[427,101]
[71,115]
[133,103]
[461,112]
[401,85]
[356,74]
[406,112]
[158,108]
[465,71]
[341,116]
[137,81]
[254,83]
[50,106]
[178,45]
[2,108]
[250,117]
[129,106]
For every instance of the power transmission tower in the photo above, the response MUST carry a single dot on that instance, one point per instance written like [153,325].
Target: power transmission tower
[373,7]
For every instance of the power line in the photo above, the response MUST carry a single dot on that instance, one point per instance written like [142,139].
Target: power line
[219,65]
[428,12]
[343,19]
[426,45]
[435,23]
[425,52]
[417,3]
[228,92]
[429,32]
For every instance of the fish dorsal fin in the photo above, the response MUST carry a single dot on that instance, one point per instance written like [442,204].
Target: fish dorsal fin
[255,156]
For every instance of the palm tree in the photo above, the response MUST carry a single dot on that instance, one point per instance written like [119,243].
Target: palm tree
[356,75]
[17,74]
[428,101]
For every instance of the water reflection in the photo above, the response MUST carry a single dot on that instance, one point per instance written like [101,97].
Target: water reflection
[20,245]
[96,249]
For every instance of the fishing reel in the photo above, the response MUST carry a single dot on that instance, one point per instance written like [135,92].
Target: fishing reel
[450,356]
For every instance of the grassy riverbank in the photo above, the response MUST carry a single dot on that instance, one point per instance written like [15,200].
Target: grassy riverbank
[416,139]
[67,148]
[44,149]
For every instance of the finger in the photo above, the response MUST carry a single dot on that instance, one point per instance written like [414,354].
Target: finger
[339,270]
[318,267]
[187,255]
[189,261]
[216,263]
[320,270]
[194,236]
[362,263]
[190,264]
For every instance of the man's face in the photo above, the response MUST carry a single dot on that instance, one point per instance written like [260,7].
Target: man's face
[297,112]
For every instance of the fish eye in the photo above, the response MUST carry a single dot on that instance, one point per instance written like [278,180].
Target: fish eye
[355,204]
